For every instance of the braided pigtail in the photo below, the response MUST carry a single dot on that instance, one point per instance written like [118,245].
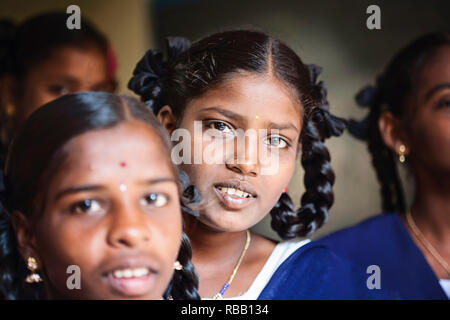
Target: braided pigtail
[383,159]
[184,284]
[319,176]
[151,73]
[13,269]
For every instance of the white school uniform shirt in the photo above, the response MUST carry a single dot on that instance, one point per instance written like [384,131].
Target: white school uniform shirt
[445,284]
[280,253]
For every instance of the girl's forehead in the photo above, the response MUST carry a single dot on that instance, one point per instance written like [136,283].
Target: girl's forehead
[130,146]
[253,95]
[434,75]
[437,68]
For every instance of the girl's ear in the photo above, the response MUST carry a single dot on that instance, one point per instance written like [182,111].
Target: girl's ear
[392,132]
[25,239]
[167,118]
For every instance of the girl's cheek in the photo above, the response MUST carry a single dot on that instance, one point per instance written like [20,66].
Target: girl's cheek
[63,245]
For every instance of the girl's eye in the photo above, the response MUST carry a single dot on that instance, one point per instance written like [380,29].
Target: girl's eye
[220,125]
[156,200]
[276,142]
[58,90]
[444,103]
[86,207]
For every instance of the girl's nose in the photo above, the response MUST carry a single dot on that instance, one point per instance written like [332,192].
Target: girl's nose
[128,228]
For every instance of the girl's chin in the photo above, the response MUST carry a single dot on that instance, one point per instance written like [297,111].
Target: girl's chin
[224,221]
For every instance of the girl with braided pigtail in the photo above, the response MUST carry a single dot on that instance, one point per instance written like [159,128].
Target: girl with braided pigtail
[214,91]
[101,198]
[408,125]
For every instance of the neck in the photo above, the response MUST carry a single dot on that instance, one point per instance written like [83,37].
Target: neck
[431,207]
[211,246]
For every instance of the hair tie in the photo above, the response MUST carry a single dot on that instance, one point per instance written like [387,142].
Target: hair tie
[314,71]
[329,124]
[151,71]
[359,129]
[366,96]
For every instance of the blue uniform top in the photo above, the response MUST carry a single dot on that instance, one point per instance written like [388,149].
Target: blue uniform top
[314,272]
[384,241]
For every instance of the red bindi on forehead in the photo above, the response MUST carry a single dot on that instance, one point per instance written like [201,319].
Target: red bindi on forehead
[123,164]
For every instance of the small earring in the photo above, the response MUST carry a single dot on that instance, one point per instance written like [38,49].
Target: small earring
[401,155]
[177,265]
[9,109]
[285,190]
[32,266]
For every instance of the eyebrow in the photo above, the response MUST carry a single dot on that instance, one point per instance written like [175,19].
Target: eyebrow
[282,126]
[158,180]
[226,113]
[63,78]
[86,188]
[435,89]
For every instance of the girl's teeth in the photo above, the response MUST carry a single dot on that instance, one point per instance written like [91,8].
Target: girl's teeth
[236,192]
[130,273]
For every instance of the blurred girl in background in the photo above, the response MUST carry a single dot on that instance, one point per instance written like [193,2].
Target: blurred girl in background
[408,125]
[41,60]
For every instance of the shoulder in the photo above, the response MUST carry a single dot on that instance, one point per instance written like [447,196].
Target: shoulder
[386,227]
[372,224]
[314,272]
[312,257]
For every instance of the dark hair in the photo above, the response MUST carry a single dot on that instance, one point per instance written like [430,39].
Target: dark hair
[41,140]
[23,46]
[190,71]
[391,89]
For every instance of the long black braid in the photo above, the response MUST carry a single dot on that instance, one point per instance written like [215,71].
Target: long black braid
[208,63]
[184,283]
[392,88]
[319,176]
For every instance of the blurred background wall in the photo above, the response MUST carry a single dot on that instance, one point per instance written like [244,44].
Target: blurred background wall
[330,33]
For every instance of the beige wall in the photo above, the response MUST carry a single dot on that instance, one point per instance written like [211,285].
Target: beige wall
[125,23]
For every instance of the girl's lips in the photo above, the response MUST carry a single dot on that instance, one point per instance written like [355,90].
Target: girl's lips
[233,202]
[132,286]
